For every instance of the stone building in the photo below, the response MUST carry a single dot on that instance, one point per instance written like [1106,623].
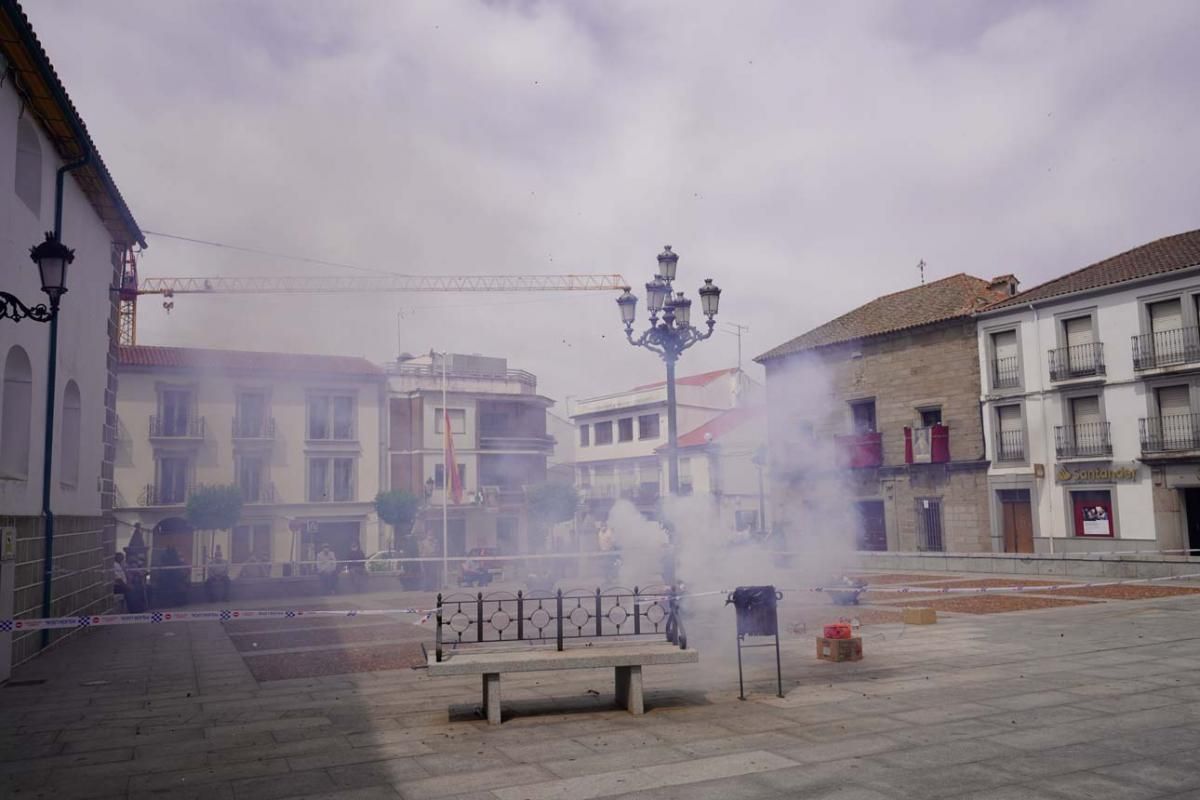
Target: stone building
[874,424]
[40,134]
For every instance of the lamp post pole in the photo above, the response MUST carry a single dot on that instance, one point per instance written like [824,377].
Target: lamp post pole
[669,338]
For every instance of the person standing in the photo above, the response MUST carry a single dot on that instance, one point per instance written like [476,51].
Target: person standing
[120,583]
[171,578]
[356,565]
[217,583]
[327,570]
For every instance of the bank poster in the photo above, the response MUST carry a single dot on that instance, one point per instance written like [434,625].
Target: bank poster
[1093,513]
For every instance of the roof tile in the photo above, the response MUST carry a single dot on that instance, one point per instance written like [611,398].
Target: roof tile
[197,358]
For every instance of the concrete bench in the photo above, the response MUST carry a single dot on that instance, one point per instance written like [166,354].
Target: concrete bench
[626,660]
[475,634]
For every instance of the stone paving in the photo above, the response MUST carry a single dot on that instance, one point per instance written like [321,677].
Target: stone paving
[1091,701]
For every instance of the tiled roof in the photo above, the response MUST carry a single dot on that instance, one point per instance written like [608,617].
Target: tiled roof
[198,358]
[718,426]
[1164,255]
[47,98]
[703,379]
[956,296]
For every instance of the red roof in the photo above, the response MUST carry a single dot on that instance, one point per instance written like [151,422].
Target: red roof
[718,426]
[703,379]
[198,358]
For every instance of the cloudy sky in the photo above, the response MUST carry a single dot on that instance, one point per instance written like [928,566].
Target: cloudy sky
[804,155]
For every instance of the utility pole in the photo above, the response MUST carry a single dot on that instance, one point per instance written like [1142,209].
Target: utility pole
[737,331]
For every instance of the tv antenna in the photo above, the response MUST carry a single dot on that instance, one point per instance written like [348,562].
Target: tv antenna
[737,330]
[921,266]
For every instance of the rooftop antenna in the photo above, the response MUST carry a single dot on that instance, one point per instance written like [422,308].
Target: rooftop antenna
[737,331]
[921,266]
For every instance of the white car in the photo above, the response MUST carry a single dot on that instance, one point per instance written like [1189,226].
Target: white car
[385,562]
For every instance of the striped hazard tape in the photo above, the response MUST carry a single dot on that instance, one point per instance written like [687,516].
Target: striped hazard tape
[996,589]
[219,615]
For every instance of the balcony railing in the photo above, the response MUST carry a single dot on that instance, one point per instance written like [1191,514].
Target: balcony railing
[157,495]
[1010,446]
[1085,440]
[861,450]
[171,428]
[1006,372]
[259,493]
[1077,361]
[1170,433]
[1166,348]
[535,443]
[254,428]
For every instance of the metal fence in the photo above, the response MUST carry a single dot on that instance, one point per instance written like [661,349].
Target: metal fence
[1010,445]
[1174,432]
[1166,348]
[1077,361]
[169,427]
[1084,440]
[929,525]
[1006,372]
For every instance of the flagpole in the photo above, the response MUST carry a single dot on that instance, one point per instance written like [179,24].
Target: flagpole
[445,479]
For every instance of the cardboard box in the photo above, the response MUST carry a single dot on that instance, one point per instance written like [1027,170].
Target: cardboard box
[839,649]
[920,616]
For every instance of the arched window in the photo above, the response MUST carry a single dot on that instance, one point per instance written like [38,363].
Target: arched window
[68,447]
[28,183]
[16,415]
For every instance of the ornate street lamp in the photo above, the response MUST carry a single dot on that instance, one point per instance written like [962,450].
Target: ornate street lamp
[670,336]
[52,259]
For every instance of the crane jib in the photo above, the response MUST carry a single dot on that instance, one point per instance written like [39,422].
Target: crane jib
[383,283]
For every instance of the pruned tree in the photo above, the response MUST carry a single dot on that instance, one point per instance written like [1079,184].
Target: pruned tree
[399,509]
[214,508]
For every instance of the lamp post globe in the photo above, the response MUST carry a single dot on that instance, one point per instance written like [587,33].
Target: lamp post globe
[668,262]
[627,302]
[710,298]
[52,258]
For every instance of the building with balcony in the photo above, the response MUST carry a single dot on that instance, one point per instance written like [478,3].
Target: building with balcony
[620,438]
[41,132]
[874,426]
[498,425]
[1091,386]
[299,435]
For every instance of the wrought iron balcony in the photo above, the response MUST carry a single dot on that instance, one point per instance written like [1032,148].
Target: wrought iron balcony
[1078,361]
[1010,445]
[1006,372]
[164,495]
[1085,440]
[540,444]
[1171,433]
[254,428]
[258,493]
[1166,348]
[174,428]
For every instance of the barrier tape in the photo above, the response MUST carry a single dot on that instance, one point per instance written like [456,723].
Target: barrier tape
[219,615]
[991,589]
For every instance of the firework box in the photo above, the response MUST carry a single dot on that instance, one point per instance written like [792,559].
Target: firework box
[839,649]
[920,616]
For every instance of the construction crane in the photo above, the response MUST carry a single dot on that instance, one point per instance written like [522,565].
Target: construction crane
[131,287]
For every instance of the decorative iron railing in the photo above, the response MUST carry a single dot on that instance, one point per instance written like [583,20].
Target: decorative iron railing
[175,428]
[1010,445]
[1166,348]
[1170,433]
[259,493]
[1077,361]
[252,428]
[558,617]
[1006,372]
[1085,440]
[164,495]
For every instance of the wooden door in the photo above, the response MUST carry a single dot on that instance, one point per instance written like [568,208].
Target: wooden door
[872,526]
[1017,514]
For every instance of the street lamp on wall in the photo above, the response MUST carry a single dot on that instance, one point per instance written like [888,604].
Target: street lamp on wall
[52,259]
[670,336]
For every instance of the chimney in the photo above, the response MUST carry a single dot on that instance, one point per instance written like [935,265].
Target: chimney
[1005,283]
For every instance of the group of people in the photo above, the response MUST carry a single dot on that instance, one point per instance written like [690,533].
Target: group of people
[329,567]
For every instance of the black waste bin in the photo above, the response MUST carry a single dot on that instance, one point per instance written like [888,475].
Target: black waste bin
[757,615]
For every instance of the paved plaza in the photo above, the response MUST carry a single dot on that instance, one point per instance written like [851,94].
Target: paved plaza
[1084,701]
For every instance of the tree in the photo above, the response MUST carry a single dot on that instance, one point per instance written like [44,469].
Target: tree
[214,508]
[399,509]
[551,503]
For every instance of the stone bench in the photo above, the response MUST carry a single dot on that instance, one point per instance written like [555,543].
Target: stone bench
[626,660]
[595,629]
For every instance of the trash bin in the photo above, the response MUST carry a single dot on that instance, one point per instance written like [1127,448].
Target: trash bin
[757,615]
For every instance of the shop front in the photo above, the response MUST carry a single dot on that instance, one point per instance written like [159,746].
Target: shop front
[1104,502]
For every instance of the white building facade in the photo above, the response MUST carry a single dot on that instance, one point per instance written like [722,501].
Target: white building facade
[1090,391]
[299,435]
[40,132]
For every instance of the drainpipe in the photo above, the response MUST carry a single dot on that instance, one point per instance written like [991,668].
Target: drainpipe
[1037,333]
[48,440]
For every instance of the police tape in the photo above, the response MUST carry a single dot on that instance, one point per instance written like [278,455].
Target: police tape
[1033,589]
[219,615]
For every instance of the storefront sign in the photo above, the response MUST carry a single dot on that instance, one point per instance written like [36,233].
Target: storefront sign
[1089,473]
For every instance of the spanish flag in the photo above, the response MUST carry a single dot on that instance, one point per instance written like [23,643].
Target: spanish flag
[453,483]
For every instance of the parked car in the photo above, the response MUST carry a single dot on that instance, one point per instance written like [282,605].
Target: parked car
[480,568]
[385,563]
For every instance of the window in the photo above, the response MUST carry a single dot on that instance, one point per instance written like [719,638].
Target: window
[685,476]
[1175,427]
[1093,513]
[627,480]
[28,179]
[648,426]
[439,476]
[251,540]
[625,429]
[862,414]
[331,479]
[16,410]
[929,524]
[331,416]
[1010,434]
[251,417]
[69,436]
[458,421]
[172,480]
[584,438]
[603,432]
[1006,360]
[745,520]
[930,417]
[251,471]
[175,411]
